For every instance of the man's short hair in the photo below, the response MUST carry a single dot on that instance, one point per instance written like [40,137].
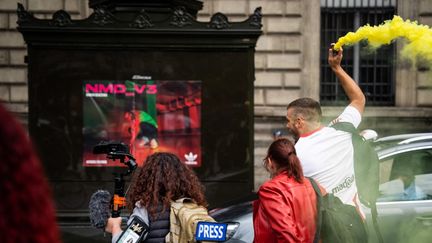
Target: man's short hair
[309,108]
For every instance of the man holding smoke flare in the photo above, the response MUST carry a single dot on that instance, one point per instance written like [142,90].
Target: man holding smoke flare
[327,154]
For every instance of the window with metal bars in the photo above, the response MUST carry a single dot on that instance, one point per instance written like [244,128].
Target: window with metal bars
[374,70]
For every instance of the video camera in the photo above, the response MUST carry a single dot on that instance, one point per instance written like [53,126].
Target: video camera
[116,150]
[108,147]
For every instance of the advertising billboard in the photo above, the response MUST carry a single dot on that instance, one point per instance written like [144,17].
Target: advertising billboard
[147,115]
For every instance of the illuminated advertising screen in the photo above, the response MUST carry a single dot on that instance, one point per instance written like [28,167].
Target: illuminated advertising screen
[147,115]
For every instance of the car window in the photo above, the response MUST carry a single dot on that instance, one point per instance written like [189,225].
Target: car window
[406,177]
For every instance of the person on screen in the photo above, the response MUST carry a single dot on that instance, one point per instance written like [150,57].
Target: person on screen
[162,179]
[286,209]
[142,127]
[26,208]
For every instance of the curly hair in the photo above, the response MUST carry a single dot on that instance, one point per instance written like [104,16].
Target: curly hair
[27,210]
[162,179]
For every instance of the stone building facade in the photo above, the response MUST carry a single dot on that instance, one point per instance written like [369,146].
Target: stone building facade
[287,64]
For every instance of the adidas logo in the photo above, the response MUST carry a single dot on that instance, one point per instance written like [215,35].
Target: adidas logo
[191,158]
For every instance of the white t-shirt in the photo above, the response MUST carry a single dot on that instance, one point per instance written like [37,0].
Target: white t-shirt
[327,155]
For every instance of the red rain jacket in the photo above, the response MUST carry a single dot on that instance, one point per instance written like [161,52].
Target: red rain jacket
[285,211]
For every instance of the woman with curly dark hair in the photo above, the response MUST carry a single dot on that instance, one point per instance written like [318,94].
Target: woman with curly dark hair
[162,179]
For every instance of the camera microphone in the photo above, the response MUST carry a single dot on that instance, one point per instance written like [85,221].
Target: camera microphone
[99,208]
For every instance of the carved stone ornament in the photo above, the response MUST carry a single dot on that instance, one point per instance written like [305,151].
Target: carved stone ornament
[142,21]
[102,16]
[219,21]
[61,18]
[181,18]
[107,17]
[256,18]
[23,15]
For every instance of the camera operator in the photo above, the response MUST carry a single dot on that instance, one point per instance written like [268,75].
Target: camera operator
[162,179]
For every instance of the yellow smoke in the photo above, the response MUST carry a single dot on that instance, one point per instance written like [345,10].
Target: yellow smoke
[419,37]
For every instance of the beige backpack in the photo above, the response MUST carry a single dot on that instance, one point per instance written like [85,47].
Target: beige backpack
[184,217]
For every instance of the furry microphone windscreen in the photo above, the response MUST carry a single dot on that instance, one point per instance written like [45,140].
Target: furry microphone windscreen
[99,208]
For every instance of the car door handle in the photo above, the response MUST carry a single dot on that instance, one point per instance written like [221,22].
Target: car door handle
[426,220]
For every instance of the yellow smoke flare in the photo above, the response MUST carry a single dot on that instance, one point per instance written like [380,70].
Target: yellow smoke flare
[419,37]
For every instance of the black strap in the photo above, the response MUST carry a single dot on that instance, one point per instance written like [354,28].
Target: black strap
[319,212]
[346,127]
[374,213]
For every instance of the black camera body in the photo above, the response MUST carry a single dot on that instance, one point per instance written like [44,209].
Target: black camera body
[111,147]
[116,150]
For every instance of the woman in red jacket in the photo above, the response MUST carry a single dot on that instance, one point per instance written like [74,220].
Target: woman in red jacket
[286,210]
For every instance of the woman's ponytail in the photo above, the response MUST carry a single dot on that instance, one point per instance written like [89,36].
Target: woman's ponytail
[283,154]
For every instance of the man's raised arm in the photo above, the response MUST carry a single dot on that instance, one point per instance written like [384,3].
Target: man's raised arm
[350,87]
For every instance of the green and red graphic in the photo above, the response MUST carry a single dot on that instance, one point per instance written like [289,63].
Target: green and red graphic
[149,116]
